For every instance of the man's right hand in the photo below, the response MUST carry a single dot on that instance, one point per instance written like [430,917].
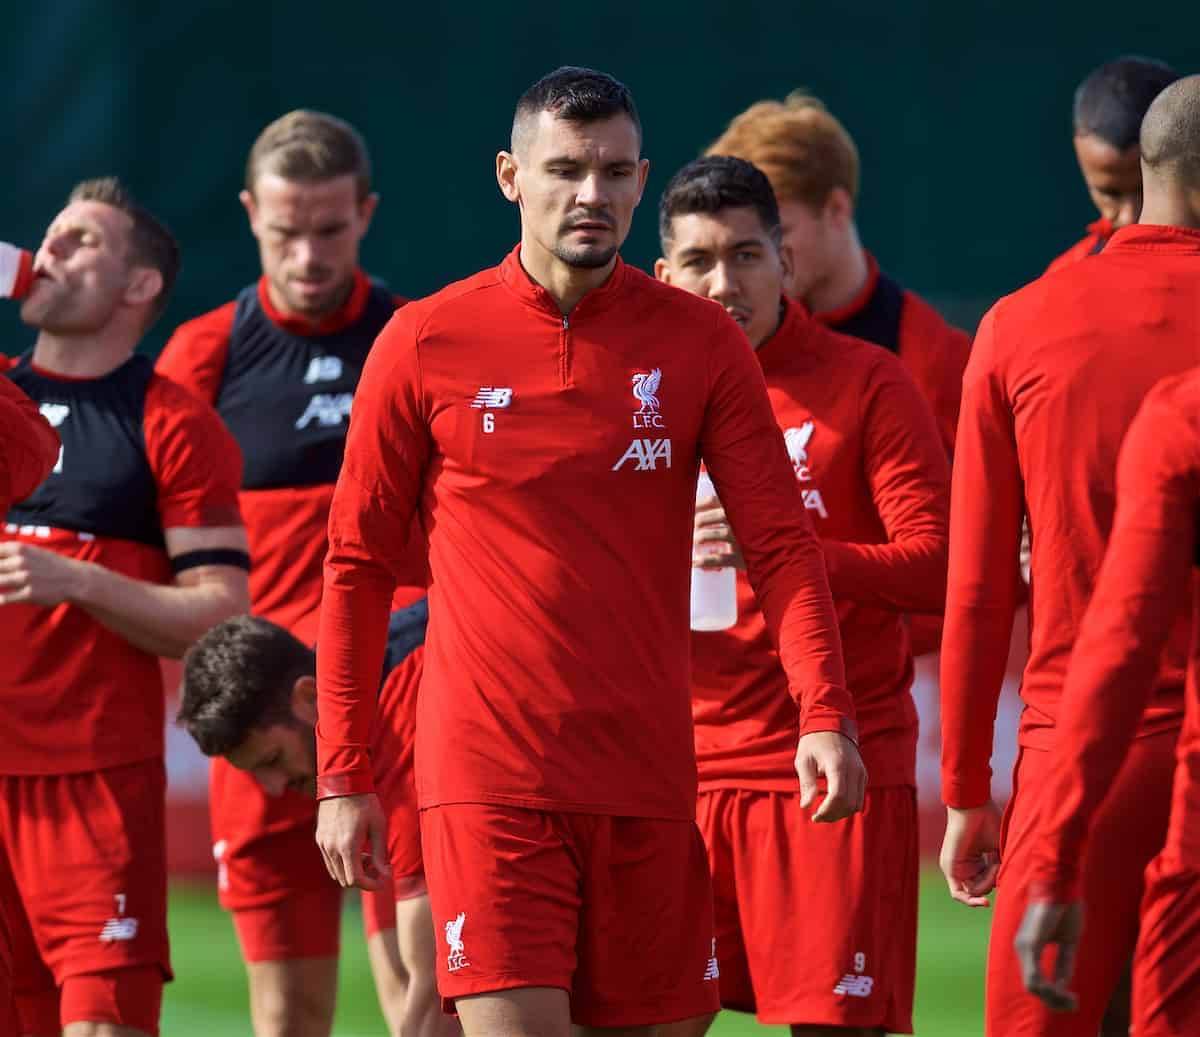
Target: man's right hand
[834,757]
[970,857]
[345,825]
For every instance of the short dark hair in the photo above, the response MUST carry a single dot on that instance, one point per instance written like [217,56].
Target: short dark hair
[238,677]
[576,94]
[1112,100]
[715,182]
[150,242]
[308,147]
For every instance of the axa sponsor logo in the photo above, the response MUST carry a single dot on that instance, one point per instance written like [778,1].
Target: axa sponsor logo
[457,958]
[797,439]
[327,409]
[645,391]
[646,455]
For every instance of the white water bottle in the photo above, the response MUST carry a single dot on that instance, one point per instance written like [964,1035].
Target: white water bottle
[16,271]
[714,591]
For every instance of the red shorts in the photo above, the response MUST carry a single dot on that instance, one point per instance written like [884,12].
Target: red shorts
[1166,971]
[304,921]
[83,883]
[1127,832]
[816,923]
[615,910]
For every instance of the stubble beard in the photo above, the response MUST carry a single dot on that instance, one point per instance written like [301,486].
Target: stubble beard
[586,257]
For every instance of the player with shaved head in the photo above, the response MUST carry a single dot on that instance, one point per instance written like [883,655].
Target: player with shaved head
[1058,371]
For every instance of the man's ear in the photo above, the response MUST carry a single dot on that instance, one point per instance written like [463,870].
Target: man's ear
[506,175]
[787,262]
[662,270]
[304,699]
[145,283]
[839,208]
[251,207]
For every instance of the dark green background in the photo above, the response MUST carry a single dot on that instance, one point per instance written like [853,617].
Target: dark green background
[960,111]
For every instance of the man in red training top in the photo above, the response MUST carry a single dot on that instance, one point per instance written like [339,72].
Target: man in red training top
[812,164]
[1148,577]
[546,419]
[1056,375]
[280,364]
[1106,117]
[128,551]
[28,450]
[250,695]
[876,483]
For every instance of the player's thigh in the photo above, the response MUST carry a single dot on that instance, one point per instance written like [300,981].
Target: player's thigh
[504,889]
[293,998]
[1166,975]
[417,946]
[520,1012]
[646,945]
[829,911]
[1121,844]
[391,981]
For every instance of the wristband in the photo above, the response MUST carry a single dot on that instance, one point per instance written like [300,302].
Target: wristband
[215,556]
[16,271]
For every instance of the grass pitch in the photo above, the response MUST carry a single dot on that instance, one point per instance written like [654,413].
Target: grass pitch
[209,995]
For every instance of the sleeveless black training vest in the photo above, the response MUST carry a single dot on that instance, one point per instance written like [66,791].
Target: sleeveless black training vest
[286,398]
[102,483]
[879,320]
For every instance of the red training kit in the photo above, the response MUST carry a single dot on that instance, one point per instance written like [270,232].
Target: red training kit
[1057,373]
[875,480]
[28,445]
[553,464]
[1145,583]
[1090,244]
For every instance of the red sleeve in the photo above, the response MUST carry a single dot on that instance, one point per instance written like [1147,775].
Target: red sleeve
[747,460]
[195,460]
[195,355]
[387,451]
[936,355]
[905,466]
[30,445]
[1142,587]
[986,509]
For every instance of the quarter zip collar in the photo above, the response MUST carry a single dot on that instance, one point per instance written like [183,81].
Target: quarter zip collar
[516,279]
[795,330]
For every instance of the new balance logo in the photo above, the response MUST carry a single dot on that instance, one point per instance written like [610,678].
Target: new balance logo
[327,409]
[323,369]
[55,413]
[851,985]
[118,929]
[711,971]
[647,453]
[492,397]
[457,958]
[219,849]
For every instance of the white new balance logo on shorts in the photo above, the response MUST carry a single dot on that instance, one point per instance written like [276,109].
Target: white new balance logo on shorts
[118,929]
[711,971]
[855,986]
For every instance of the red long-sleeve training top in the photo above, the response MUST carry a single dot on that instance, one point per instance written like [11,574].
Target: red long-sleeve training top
[28,445]
[553,463]
[1147,581]
[1057,372]
[876,483]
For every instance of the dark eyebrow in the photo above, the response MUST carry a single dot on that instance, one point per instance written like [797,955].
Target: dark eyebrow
[748,243]
[691,253]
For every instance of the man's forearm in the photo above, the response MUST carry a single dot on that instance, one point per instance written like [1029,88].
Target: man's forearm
[160,619]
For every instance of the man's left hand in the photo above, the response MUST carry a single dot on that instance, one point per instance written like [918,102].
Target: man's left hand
[35,576]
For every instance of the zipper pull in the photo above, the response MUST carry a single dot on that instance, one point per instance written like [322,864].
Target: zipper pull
[566,323]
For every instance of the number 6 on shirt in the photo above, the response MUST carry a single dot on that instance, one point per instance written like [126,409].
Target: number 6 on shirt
[489,423]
